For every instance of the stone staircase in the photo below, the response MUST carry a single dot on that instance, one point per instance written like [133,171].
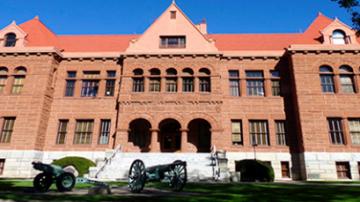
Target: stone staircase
[200,166]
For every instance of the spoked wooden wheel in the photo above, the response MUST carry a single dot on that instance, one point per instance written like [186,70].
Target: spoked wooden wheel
[178,176]
[137,176]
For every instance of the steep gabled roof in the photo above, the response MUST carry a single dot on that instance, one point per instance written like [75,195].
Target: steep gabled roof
[38,33]
[313,33]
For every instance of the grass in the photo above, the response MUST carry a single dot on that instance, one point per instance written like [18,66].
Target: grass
[203,192]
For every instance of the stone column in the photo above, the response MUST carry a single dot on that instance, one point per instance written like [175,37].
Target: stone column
[146,83]
[179,84]
[155,143]
[184,140]
[196,85]
[163,84]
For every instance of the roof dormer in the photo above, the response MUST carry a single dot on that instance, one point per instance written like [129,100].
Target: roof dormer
[338,33]
[12,36]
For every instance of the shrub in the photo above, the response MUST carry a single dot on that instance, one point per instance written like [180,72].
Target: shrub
[81,164]
[255,170]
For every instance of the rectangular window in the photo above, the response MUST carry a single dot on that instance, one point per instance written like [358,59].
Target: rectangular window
[172,41]
[285,169]
[255,83]
[343,170]
[347,84]
[104,131]
[70,86]
[275,83]
[172,14]
[70,83]
[62,130]
[7,129]
[83,131]
[2,166]
[234,80]
[205,85]
[18,84]
[327,83]
[111,74]
[188,84]
[3,80]
[259,134]
[110,87]
[336,131]
[71,74]
[280,133]
[171,85]
[138,84]
[354,126]
[236,132]
[154,84]
[89,88]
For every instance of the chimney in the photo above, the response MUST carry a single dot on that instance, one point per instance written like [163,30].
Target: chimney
[202,26]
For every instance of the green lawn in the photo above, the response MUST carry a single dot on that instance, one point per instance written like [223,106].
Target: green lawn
[323,192]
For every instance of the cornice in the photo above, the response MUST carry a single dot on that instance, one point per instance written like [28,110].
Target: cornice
[320,48]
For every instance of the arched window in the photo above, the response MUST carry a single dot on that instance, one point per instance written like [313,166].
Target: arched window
[155,80]
[171,80]
[204,80]
[188,80]
[138,80]
[19,78]
[347,79]
[10,40]
[339,37]
[3,78]
[327,79]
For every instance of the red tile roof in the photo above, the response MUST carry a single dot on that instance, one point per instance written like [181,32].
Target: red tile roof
[95,43]
[40,35]
[236,42]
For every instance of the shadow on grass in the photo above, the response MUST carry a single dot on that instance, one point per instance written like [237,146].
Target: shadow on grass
[206,193]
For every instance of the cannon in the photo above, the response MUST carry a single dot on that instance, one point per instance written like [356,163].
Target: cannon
[175,174]
[65,181]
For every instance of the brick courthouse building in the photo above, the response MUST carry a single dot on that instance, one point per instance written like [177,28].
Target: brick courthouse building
[175,92]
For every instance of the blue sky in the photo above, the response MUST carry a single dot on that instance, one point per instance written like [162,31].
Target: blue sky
[134,16]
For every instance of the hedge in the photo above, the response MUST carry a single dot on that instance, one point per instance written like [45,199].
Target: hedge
[255,170]
[81,164]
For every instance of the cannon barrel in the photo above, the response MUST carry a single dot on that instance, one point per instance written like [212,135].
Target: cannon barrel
[48,168]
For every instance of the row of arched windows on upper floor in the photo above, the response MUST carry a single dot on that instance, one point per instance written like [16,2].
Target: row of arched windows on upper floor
[172,72]
[17,77]
[343,81]
[186,80]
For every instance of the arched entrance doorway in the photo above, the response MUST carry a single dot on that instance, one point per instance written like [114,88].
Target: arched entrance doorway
[200,134]
[139,134]
[170,135]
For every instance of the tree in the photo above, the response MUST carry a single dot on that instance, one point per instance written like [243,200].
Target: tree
[352,7]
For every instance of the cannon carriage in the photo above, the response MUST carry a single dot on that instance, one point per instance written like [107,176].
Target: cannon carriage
[64,181]
[175,174]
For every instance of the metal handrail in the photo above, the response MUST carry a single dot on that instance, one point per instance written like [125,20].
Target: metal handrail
[108,160]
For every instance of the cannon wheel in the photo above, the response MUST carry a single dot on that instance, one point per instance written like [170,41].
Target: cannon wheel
[42,182]
[178,176]
[65,182]
[137,176]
